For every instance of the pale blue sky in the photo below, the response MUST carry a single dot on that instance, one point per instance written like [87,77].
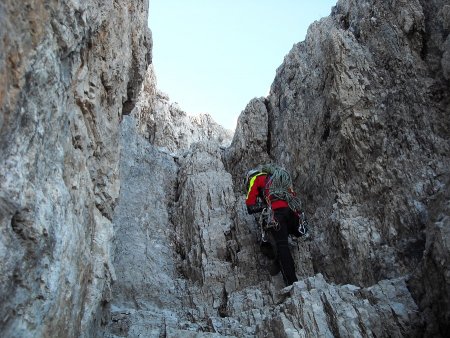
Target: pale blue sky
[214,56]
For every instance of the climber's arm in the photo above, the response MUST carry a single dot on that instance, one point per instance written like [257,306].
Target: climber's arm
[252,196]
[252,209]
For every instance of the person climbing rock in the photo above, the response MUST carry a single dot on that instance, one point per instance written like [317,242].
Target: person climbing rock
[269,191]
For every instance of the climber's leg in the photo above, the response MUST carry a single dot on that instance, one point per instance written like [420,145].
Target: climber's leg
[283,253]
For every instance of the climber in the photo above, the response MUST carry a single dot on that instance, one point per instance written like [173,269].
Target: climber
[269,190]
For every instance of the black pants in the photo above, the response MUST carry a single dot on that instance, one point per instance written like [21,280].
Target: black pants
[288,224]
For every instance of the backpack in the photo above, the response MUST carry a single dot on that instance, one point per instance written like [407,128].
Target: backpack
[279,184]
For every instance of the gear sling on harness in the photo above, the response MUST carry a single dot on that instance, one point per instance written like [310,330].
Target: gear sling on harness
[279,187]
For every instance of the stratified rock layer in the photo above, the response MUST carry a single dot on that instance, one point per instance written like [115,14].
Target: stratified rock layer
[68,71]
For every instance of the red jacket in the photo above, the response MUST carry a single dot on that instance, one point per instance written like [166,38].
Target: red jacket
[257,187]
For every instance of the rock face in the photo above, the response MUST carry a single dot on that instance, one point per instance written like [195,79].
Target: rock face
[188,262]
[68,71]
[165,125]
[143,244]
[250,142]
[358,113]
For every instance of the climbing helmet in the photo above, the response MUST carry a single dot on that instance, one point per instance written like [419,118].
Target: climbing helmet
[249,175]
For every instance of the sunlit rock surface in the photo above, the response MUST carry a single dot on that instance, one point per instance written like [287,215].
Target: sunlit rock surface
[166,126]
[362,106]
[124,217]
[68,71]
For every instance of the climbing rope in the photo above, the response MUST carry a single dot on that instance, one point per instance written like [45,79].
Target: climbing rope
[280,186]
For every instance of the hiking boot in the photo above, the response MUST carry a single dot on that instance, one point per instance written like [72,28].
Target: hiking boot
[274,268]
[267,250]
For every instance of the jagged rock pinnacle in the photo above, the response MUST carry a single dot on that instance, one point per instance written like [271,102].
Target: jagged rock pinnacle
[123,216]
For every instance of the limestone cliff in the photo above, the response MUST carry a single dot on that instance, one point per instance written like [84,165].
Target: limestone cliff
[188,262]
[121,216]
[69,70]
[166,126]
[358,113]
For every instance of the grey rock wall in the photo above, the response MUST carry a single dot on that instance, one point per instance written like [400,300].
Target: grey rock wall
[251,141]
[358,112]
[165,125]
[142,230]
[68,71]
[188,263]
[192,267]
[144,255]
